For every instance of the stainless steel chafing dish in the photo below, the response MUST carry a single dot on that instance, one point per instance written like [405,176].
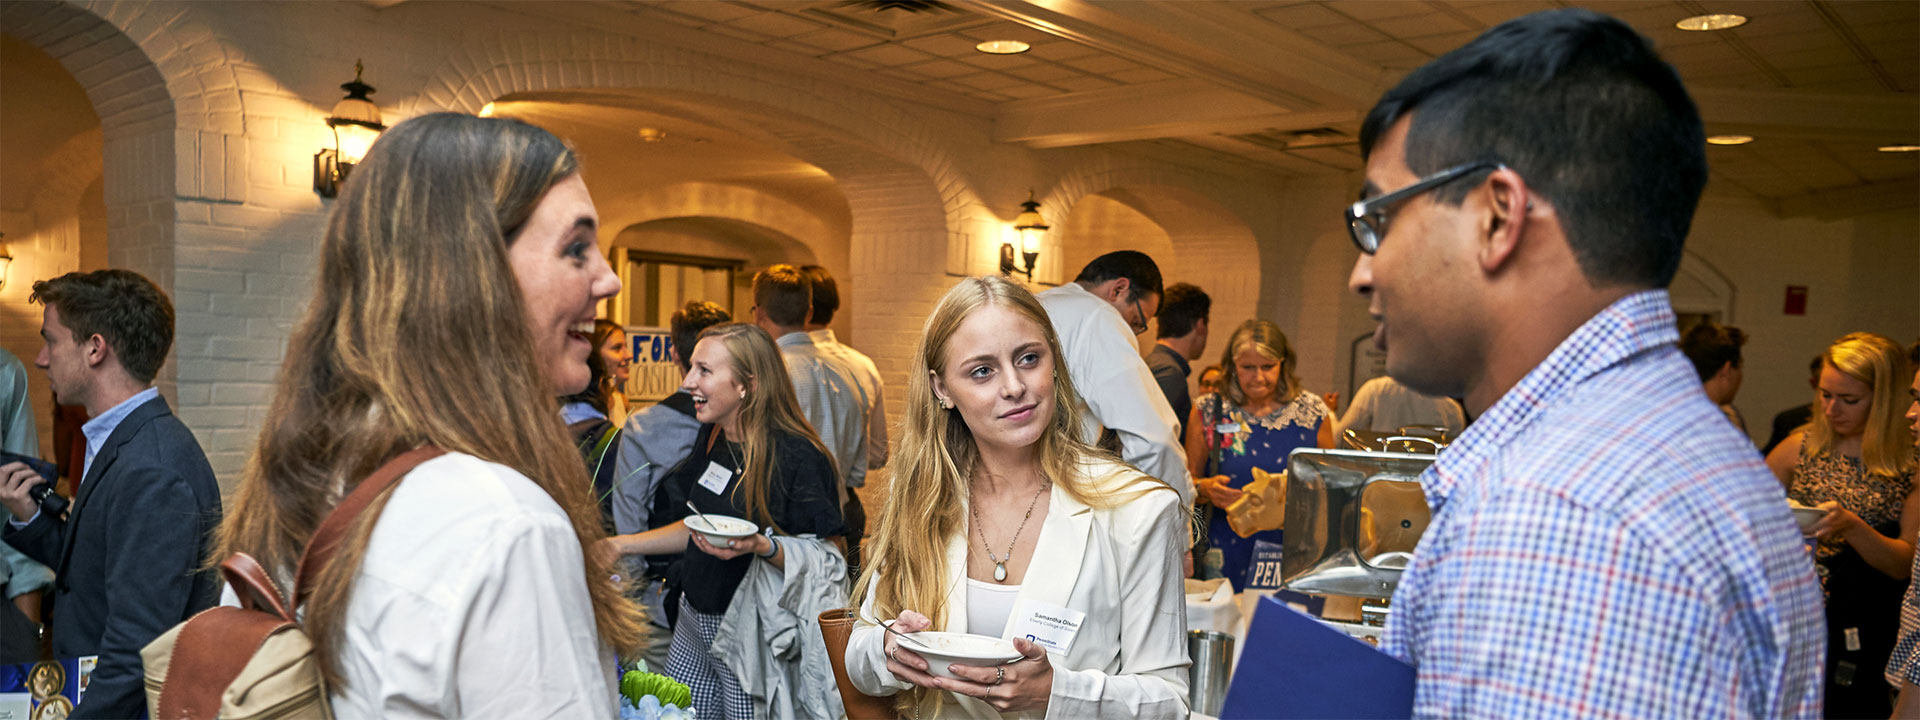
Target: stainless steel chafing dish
[1354,517]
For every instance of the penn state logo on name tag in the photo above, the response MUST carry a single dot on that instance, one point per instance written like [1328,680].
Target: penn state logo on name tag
[715,478]
[1049,626]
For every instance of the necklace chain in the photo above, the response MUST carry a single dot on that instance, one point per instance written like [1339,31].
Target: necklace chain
[1000,564]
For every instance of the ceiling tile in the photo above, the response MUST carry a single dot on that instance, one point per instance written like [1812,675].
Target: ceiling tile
[1008,31]
[989,96]
[776,25]
[988,81]
[996,62]
[850,61]
[889,55]
[708,10]
[734,32]
[837,40]
[941,68]
[1301,17]
[1438,45]
[947,45]
[1390,52]
[1030,90]
[1062,51]
[1343,35]
[1380,9]
[1083,83]
[1859,13]
[1423,25]
[794,47]
[1044,72]
[1140,76]
[1494,13]
[1102,64]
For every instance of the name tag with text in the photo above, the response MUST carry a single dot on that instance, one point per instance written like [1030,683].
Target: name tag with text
[1049,626]
[715,478]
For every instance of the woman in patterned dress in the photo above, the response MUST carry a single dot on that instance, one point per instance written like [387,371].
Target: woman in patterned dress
[1258,417]
[1856,460]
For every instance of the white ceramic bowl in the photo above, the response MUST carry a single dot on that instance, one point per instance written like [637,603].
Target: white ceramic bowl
[724,528]
[1805,516]
[944,648]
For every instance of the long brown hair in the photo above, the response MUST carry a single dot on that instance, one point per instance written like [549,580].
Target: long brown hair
[926,500]
[1886,443]
[367,373]
[769,405]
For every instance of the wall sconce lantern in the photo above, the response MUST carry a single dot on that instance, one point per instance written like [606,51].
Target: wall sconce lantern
[1031,228]
[5,262]
[356,123]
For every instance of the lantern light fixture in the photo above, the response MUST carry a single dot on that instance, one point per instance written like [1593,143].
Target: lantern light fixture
[1031,228]
[355,121]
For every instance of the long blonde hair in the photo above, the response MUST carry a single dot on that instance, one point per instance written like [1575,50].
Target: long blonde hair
[1265,338]
[1886,445]
[769,405]
[367,372]
[926,499]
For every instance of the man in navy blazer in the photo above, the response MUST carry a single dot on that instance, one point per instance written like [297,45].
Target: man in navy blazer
[128,553]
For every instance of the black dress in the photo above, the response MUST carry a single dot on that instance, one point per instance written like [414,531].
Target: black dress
[1863,604]
[802,499]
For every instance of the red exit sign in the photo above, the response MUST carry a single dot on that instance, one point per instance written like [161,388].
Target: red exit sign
[1796,300]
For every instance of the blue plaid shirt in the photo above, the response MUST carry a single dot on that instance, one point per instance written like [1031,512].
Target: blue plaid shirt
[1605,544]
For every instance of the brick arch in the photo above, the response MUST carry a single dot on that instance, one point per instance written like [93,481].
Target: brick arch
[96,43]
[860,139]
[732,202]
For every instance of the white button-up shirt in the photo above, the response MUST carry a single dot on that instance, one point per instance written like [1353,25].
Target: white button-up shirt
[831,398]
[1116,386]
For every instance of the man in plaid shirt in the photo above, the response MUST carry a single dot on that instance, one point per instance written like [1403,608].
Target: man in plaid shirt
[1604,544]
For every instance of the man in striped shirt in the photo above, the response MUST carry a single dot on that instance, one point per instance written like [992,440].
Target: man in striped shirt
[1603,543]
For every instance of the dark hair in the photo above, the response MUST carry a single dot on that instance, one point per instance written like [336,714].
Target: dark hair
[121,306]
[826,294]
[1582,107]
[1182,307]
[1133,265]
[1913,353]
[1709,346]
[784,293]
[686,324]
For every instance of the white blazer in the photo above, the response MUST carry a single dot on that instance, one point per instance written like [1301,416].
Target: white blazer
[1122,567]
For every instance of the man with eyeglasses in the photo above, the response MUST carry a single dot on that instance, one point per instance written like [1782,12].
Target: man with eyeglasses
[1603,542]
[1097,317]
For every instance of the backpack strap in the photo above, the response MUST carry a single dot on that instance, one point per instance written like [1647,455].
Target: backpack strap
[215,645]
[332,530]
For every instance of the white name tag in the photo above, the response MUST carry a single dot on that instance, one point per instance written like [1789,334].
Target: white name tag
[1049,626]
[1227,428]
[715,478]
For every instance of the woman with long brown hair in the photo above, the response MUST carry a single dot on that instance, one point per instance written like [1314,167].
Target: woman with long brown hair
[1856,461]
[457,275]
[755,458]
[999,515]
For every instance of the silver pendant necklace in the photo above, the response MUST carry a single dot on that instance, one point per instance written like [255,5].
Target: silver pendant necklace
[1000,563]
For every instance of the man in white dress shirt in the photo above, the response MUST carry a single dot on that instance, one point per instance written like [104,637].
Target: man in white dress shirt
[829,391]
[826,301]
[1097,316]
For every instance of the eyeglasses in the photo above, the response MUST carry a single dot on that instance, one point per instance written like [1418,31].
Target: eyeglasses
[1367,219]
[1141,326]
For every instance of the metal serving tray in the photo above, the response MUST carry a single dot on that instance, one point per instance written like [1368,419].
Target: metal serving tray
[1353,520]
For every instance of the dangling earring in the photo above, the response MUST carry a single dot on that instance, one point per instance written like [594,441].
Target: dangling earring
[946,404]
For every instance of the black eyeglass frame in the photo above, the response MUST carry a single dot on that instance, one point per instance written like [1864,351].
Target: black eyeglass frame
[1367,219]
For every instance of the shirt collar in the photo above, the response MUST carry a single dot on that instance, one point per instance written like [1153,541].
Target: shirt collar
[101,427]
[1631,325]
[823,336]
[793,339]
[1186,368]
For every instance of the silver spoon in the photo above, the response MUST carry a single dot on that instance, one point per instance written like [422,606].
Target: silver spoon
[703,516]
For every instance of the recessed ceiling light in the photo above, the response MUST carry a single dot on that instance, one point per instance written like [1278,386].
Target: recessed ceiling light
[1900,148]
[652,135]
[1003,47]
[1716,21]
[1729,139]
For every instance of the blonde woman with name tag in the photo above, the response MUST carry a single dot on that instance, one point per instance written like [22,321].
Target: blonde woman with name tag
[999,521]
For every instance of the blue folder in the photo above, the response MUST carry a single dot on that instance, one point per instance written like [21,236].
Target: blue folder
[1295,667]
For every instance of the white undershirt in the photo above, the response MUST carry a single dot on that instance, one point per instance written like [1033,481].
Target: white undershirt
[988,606]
